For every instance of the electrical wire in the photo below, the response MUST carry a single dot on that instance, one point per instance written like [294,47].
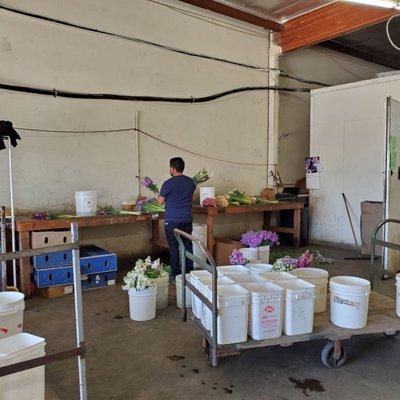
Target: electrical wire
[122,97]
[283,74]
[388,33]
[129,38]
[145,133]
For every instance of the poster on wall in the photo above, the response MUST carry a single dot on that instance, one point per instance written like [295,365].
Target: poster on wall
[313,165]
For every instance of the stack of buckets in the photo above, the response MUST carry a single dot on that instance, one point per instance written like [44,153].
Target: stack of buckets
[16,346]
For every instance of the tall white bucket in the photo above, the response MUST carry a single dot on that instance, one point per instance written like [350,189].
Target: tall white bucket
[142,304]
[86,202]
[398,295]
[197,304]
[178,285]
[251,254]
[206,193]
[162,291]
[12,307]
[27,384]
[319,278]
[349,301]
[199,232]
[263,254]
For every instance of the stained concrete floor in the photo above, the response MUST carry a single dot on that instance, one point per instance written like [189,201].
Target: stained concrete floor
[162,359]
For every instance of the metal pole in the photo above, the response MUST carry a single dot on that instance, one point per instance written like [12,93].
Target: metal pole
[13,246]
[3,274]
[350,220]
[80,341]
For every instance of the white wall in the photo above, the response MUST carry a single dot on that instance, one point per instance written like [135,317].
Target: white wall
[49,167]
[317,64]
[348,130]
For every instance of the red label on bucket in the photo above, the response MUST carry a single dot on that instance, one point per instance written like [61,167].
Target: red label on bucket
[4,330]
[269,309]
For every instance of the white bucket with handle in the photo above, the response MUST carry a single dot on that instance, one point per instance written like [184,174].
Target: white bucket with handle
[12,307]
[206,193]
[142,304]
[86,203]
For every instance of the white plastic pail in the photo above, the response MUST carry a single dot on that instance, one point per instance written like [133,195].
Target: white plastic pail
[86,202]
[263,254]
[349,301]
[319,278]
[250,253]
[142,304]
[233,269]
[259,268]
[206,193]
[276,276]
[162,291]
[199,232]
[12,307]
[178,284]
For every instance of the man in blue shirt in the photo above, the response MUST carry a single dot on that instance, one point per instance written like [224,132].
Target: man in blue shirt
[177,195]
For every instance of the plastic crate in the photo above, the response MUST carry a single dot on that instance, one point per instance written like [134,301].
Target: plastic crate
[50,238]
[52,260]
[46,277]
[93,281]
[95,260]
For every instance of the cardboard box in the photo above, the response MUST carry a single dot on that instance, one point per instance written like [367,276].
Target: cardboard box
[50,238]
[371,215]
[55,291]
[223,249]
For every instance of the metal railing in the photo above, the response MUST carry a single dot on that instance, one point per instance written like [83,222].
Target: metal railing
[80,350]
[210,266]
[383,243]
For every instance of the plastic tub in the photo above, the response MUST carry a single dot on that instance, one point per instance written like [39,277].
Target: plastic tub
[196,302]
[199,232]
[233,269]
[398,295]
[206,193]
[232,303]
[204,284]
[28,384]
[277,276]
[259,268]
[263,254]
[319,278]
[299,306]
[162,291]
[142,304]
[178,285]
[349,301]
[12,307]
[86,202]
[250,253]
[247,278]
[265,311]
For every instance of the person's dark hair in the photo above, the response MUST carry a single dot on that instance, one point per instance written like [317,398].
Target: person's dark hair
[177,163]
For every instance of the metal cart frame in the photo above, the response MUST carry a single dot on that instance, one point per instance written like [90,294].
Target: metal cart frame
[382,317]
[80,350]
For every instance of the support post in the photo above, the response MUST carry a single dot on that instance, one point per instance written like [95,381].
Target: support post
[3,268]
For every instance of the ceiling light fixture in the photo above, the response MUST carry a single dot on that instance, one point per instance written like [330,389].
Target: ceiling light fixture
[379,3]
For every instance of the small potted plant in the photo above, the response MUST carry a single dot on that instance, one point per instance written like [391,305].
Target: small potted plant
[257,245]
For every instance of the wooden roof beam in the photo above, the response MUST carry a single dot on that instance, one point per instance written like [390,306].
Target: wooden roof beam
[328,22]
[236,13]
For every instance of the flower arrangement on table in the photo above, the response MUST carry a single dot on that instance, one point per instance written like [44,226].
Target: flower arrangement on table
[289,263]
[144,273]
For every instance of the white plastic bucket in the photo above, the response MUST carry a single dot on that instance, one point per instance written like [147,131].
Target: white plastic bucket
[265,310]
[12,307]
[86,202]
[204,285]
[259,268]
[247,278]
[206,193]
[199,232]
[162,291]
[319,278]
[196,302]
[28,384]
[232,303]
[299,306]
[349,301]
[142,304]
[263,254]
[277,276]
[178,285]
[233,269]
[250,253]
[398,295]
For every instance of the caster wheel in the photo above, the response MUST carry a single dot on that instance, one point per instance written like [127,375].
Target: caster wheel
[391,335]
[328,359]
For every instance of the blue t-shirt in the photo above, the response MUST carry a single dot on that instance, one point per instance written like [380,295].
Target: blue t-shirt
[178,192]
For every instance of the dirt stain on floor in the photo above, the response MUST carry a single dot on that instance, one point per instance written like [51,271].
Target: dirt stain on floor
[308,385]
[175,358]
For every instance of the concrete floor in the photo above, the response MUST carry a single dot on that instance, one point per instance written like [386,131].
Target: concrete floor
[162,359]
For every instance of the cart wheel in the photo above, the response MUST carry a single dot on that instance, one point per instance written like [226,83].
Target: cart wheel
[391,335]
[327,356]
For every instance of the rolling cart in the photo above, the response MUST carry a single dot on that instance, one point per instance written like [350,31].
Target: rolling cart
[381,317]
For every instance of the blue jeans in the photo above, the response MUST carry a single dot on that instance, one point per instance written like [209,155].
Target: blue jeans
[174,245]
